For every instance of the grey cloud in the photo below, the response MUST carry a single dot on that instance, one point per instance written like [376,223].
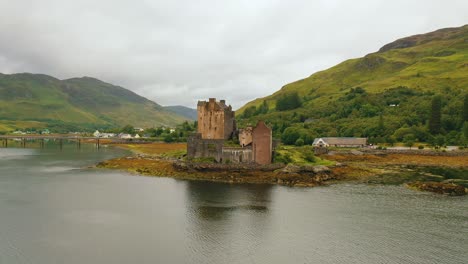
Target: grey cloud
[176,52]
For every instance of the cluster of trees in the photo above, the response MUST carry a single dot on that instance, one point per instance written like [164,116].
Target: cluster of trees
[400,114]
[288,102]
[166,134]
[253,110]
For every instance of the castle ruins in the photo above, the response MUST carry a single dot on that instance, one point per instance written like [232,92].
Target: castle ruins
[217,125]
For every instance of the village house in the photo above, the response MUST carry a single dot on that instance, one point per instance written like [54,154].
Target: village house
[125,136]
[103,135]
[216,125]
[343,142]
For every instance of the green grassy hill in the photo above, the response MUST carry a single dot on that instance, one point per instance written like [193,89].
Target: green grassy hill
[377,95]
[36,100]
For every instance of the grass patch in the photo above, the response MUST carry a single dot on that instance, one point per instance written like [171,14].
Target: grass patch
[158,149]
[303,155]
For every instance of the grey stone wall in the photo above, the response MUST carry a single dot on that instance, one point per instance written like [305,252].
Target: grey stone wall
[237,155]
[204,148]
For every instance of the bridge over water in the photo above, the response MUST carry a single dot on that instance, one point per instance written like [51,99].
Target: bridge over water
[24,139]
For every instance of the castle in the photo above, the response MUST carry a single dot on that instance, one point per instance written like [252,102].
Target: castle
[215,119]
[216,125]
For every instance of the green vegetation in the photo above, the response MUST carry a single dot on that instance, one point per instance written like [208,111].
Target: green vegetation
[435,119]
[252,110]
[288,102]
[177,134]
[416,91]
[74,105]
[303,155]
[465,108]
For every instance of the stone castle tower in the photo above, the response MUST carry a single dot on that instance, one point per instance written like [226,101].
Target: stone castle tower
[215,119]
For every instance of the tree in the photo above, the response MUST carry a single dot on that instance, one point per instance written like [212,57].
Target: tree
[250,111]
[381,126]
[437,141]
[128,129]
[465,130]
[465,108]
[391,140]
[288,102]
[290,135]
[263,108]
[299,142]
[409,140]
[435,118]
[168,138]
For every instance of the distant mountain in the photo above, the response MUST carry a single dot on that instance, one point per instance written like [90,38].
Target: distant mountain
[184,111]
[378,95]
[37,100]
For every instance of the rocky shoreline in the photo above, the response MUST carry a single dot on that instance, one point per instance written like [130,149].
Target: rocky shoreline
[375,167]
[303,176]
[438,187]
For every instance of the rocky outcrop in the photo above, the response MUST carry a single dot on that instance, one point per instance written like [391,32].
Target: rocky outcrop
[235,167]
[291,168]
[438,187]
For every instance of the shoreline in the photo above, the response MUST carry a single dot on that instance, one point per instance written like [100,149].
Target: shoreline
[243,174]
[374,167]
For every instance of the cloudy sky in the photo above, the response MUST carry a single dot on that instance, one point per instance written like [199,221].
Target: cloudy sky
[176,52]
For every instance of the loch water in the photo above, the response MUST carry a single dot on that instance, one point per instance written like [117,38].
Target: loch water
[54,208]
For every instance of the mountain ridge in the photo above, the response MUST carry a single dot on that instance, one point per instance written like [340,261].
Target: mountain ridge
[184,111]
[409,69]
[83,102]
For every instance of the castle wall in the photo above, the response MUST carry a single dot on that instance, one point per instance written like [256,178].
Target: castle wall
[237,155]
[245,136]
[204,148]
[229,123]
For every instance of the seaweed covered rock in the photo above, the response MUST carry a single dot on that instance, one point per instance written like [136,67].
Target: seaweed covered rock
[438,187]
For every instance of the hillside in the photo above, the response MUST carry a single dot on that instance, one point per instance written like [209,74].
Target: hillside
[184,111]
[36,100]
[377,95]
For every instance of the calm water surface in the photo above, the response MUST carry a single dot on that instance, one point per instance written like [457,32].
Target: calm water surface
[53,209]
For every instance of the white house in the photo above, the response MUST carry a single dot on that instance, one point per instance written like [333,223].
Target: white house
[96,133]
[339,142]
[123,135]
[107,135]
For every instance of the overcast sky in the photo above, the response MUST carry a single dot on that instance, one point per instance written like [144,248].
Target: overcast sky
[176,52]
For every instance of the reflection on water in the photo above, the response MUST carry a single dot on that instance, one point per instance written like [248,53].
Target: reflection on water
[212,201]
[53,209]
[225,222]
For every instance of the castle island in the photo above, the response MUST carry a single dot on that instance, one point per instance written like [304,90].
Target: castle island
[220,151]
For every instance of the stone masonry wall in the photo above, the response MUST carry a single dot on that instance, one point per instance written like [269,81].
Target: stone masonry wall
[237,155]
[262,143]
[215,119]
[204,148]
